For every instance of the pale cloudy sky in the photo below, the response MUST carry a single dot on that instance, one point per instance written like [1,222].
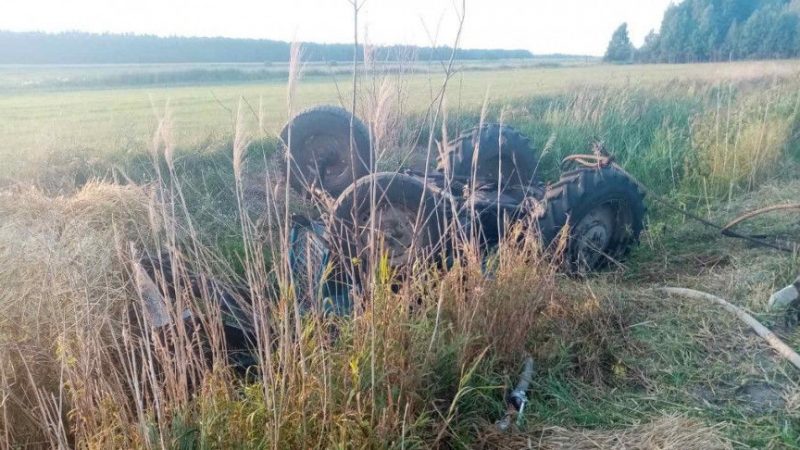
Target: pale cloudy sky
[542,26]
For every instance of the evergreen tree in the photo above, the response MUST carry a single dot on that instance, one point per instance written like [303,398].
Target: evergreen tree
[730,45]
[753,42]
[650,51]
[781,41]
[715,30]
[620,48]
[676,33]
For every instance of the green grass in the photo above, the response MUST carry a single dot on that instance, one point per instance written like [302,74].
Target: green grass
[686,356]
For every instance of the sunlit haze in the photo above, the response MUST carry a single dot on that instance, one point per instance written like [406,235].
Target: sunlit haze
[541,26]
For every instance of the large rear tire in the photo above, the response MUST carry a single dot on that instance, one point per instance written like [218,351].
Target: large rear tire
[408,219]
[604,210]
[321,155]
[505,157]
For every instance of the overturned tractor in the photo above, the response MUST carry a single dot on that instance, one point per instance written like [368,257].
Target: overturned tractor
[485,180]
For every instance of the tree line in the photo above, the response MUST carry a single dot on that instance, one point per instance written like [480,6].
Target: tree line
[715,30]
[89,48]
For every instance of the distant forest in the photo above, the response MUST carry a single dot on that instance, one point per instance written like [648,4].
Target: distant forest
[716,30]
[88,48]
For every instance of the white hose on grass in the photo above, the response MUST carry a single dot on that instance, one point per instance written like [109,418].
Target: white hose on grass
[773,340]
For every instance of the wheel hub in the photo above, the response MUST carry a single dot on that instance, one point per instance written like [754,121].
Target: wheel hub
[592,236]
[394,230]
[328,162]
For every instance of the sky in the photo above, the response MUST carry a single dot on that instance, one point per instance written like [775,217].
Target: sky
[541,26]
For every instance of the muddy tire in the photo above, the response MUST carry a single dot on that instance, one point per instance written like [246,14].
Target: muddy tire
[398,199]
[604,209]
[317,142]
[505,156]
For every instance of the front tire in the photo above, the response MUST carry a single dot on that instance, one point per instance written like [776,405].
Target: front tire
[321,153]
[604,211]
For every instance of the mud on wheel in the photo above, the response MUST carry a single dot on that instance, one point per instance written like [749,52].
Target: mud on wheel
[407,221]
[321,155]
[604,210]
[504,157]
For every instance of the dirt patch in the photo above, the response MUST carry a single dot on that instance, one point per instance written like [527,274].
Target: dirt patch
[757,397]
[760,397]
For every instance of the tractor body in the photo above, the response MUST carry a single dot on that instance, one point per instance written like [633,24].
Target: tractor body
[485,182]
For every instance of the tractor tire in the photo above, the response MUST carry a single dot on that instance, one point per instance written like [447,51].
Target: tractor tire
[604,210]
[505,157]
[398,199]
[317,143]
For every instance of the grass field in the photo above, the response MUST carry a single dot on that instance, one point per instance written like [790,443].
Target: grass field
[36,124]
[87,174]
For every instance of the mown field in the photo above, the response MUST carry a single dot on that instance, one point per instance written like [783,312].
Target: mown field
[93,177]
[38,123]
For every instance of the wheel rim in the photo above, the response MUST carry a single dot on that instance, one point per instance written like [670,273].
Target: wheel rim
[594,235]
[327,164]
[394,231]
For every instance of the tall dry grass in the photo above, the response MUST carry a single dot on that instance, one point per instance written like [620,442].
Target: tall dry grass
[694,141]
[63,282]
[668,432]
[87,370]
[425,358]
[745,140]
[419,363]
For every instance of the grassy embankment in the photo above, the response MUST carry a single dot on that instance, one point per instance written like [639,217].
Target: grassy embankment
[427,365]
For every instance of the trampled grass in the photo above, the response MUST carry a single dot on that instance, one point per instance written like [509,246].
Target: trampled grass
[425,364]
